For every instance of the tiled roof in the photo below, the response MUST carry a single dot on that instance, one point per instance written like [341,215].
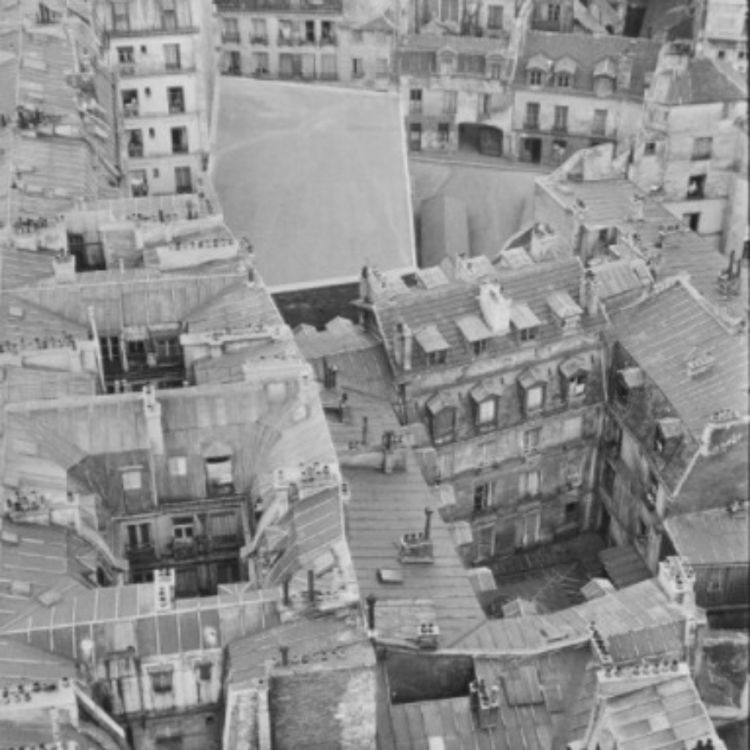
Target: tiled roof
[587,50]
[122,616]
[462,45]
[20,662]
[674,326]
[669,713]
[41,563]
[445,306]
[701,82]
[18,384]
[710,537]
[638,622]
[624,565]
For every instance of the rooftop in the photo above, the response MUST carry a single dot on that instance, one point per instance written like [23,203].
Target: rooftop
[717,536]
[346,206]
[587,52]
[699,81]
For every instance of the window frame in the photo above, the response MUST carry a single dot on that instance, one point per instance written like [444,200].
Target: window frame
[162,679]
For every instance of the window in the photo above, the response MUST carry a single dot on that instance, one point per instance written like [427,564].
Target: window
[599,126]
[487,412]
[693,220]
[183,180]
[326,32]
[449,10]
[479,347]
[310,32]
[530,482]
[484,104]
[450,102]
[135,143]
[553,12]
[438,357]
[534,398]
[532,116]
[169,15]
[130,102]
[571,511]
[608,479]
[696,186]
[381,66]
[259,63]
[358,67]
[444,136]
[138,182]
[176,100]
[482,496]
[536,77]
[179,140]
[496,70]
[177,466]
[125,55]
[139,534]
[172,57]
[531,439]
[563,80]
[561,119]
[415,136]
[204,673]
[161,680]
[721,54]
[702,148]
[120,16]
[649,149]
[183,528]
[443,424]
[495,17]
[415,101]
[219,474]
[131,479]
[328,70]
[472,64]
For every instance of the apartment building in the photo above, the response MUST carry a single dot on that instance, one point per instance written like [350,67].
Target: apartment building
[723,34]
[163,52]
[572,91]
[502,368]
[689,150]
[315,40]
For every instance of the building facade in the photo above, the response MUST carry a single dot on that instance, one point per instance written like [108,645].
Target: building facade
[163,51]
[723,35]
[572,91]
[503,370]
[309,41]
[689,150]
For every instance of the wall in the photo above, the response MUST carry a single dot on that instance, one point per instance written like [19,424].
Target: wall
[197,729]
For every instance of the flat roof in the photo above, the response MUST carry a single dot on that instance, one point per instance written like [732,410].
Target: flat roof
[316,178]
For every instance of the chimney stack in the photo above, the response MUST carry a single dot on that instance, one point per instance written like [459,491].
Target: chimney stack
[371,599]
[427,521]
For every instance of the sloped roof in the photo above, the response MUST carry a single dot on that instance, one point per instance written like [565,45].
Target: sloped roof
[700,82]
[20,662]
[445,307]
[638,622]
[668,329]
[587,51]
[711,537]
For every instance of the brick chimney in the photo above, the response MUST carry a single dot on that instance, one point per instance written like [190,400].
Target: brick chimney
[589,294]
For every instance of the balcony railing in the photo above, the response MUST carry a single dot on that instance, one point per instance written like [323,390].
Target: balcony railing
[123,33]
[230,36]
[531,125]
[286,6]
[127,70]
[259,39]
[135,152]
[560,127]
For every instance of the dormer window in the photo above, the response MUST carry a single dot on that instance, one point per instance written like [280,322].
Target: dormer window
[218,465]
[485,397]
[628,379]
[565,310]
[668,435]
[536,77]
[574,373]
[533,389]
[132,478]
[565,70]
[563,80]
[446,62]
[605,75]
[523,322]
[441,409]
[475,332]
[433,345]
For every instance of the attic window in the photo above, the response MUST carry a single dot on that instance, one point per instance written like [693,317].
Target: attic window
[475,332]
[131,479]
[574,373]
[628,379]
[524,323]
[218,463]
[533,387]
[432,343]
[668,434]
[535,77]
[177,466]
[565,310]
[485,397]
[442,414]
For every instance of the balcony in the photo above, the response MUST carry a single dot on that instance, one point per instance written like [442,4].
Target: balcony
[230,36]
[307,7]
[560,127]
[135,151]
[125,32]
[127,70]
[259,39]
[142,554]
[531,125]
[131,110]
[328,40]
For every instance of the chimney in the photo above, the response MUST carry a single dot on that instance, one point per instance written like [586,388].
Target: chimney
[402,346]
[64,268]
[624,71]
[427,522]
[495,308]
[152,412]
[677,580]
[589,294]
[370,600]
[674,56]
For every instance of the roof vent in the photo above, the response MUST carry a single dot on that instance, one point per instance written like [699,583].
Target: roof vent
[484,703]
[16,311]
[427,636]
[699,364]
[416,547]
[20,588]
